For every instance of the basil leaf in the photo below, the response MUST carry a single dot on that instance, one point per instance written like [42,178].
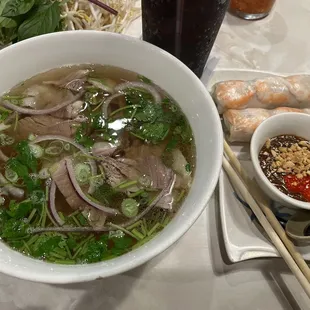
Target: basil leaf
[44,20]
[7,23]
[15,8]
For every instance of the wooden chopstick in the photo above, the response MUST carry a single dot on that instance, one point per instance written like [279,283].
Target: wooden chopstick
[238,184]
[264,204]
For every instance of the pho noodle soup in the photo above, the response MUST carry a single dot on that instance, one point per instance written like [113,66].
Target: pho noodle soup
[95,161]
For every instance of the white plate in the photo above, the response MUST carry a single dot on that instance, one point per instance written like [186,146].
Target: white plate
[243,237]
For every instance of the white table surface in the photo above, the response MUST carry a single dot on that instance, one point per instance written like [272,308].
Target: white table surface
[195,273]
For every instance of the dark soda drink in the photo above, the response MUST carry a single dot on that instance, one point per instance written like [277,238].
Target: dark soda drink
[185,28]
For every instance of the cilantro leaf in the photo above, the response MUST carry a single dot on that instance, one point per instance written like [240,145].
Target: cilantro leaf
[45,245]
[25,156]
[13,228]
[121,245]
[81,136]
[19,210]
[153,133]
[94,251]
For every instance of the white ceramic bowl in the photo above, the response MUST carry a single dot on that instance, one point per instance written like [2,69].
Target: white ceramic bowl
[288,123]
[23,60]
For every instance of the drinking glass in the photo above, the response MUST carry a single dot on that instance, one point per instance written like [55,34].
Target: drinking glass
[185,28]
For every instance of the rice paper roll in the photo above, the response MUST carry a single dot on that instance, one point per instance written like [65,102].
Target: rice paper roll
[241,124]
[267,93]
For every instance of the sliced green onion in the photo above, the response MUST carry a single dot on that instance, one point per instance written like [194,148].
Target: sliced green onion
[127,184]
[53,151]
[124,230]
[153,229]
[30,217]
[137,234]
[36,150]
[6,140]
[67,147]
[11,175]
[32,137]
[76,221]
[44,174]
[134,225]
[130,207]
[56,255]
[82,173]
[135,194]
[64,262]
[145,181]
[27,247]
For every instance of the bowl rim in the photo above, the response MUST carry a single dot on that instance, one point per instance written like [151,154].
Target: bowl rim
[156,249]
[254,157]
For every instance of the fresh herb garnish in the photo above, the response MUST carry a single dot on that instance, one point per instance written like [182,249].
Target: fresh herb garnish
[23,19]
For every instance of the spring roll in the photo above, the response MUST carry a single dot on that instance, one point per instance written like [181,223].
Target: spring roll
[267,93]
[239,125]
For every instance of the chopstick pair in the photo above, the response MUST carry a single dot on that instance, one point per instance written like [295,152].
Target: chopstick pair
[258,202]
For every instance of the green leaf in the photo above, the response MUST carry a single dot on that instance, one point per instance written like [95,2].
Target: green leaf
[18,167]
[153,132]
[46,244]
[25,156]
[81,136]
[20,210]
[44,20]
[22,171]
[14,228]
[7,23]
[17,7]
[121,244]
[94,251]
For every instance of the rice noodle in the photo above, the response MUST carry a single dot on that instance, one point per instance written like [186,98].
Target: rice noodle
[82,195]
[149,88]
[57,218]
[55,108]
[92,163]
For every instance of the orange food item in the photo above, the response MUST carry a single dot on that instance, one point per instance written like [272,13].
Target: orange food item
[252,6]
[298,186]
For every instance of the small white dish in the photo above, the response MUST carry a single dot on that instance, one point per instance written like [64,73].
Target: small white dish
[296,124]
[242,236]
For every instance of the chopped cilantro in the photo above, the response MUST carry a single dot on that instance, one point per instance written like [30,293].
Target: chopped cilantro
[19,210]
[25,156]
[82,137]
[94,251]
[45,244]
[13,228]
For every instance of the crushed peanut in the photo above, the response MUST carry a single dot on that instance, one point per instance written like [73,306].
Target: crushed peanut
[294,159]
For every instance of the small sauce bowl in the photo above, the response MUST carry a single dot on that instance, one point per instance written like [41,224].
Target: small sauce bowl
[297,124]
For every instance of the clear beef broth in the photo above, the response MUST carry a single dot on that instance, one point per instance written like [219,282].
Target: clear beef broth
[121,170]
[266,159]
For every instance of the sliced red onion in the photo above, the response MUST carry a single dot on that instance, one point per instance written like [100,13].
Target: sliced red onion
[21,110]
[82,195]
[151,89]
[107,102]
[57,218]
[92,163]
